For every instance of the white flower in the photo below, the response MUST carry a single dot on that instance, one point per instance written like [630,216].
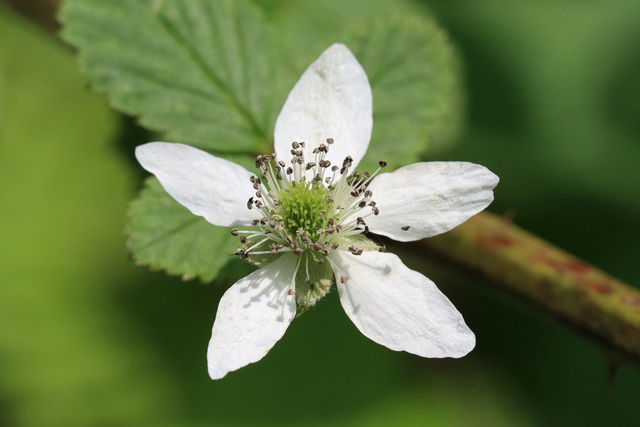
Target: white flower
[302,219]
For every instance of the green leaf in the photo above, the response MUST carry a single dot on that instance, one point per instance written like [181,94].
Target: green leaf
[416,93]
[203,72]
[163,234]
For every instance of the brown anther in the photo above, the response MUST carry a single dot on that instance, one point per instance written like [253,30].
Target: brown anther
[255,222]
[263,221]
[335,246]
[310,165]
[243,239]
[354,250]
[331,230]
[354,193]
[320,261]
[306,279]
[281,163]
[234,232]
[329,140]
[405,228]
[258,204]
[357,174]
[250,203]
[382,163]
[289,170]
[366,175]
[344,279]
[298,252]
[259,194]
[334,168]
[267,231]
[295,145]
[382,248]
[368,194]
[362,204]
[366,229]
[291,292]
[376,211]
[317,246]
[323,148]
[302,144]
[360,221]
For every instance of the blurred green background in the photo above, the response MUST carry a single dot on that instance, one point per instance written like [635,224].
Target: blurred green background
[88,339]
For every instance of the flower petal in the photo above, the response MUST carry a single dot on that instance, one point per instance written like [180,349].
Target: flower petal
[332,99]
[398,307]
[252,316]
[429,198]
[208,186]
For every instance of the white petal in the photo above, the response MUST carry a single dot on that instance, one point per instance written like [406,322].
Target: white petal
[430,198]
[332,99]
[252,316]
[398,307]
[208,186]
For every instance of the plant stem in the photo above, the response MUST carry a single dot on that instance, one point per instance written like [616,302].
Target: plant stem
[527,266]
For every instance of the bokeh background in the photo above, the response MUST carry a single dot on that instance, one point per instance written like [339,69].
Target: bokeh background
[88,339]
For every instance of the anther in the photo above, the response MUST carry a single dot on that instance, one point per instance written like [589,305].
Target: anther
[334,246]
[243,239]
[329,140]
[310,165]
[250,203]
[382,248]
[295,145]
[298,252]
[362,204]
[234,232]
[376,211]
[344,279]
[405,228]
[281,163]
[368,194]
[382,163]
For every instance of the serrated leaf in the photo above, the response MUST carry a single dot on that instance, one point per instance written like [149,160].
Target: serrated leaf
[164,235]
[414,77]
[203,72]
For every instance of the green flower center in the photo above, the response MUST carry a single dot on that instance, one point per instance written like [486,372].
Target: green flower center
[305,207]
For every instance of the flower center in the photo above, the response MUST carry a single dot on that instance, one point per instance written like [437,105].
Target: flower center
[305,207]
[309,208]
